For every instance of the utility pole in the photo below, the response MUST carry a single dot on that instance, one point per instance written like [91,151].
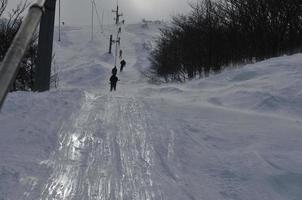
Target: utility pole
[103,20]
[117,45]
[92,15]
[117,41]
[117,15]
[45,47]
[110,44]
[59,20]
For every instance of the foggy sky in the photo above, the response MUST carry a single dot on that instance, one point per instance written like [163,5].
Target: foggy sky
[78,12]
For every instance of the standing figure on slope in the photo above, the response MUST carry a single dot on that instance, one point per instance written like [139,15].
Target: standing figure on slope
[123,64]
[121,54]
[113,82]
[114,71]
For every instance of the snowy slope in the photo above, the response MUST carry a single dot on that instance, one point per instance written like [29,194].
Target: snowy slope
[233,136]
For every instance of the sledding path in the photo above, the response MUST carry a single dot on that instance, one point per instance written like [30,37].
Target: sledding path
[105,153]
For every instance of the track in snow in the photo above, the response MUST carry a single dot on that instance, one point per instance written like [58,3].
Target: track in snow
[105,153]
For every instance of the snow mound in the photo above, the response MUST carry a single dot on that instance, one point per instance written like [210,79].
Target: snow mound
[272,86]
[161,90]
[91,76]
[29,133]
[244,76]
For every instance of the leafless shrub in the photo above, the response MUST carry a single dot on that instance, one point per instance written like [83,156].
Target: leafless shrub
[9,27]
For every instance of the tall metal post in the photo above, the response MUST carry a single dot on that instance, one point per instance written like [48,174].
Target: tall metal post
[59,20]
[110,44]
[117,42]
[45,47]
[117,15]
[92,23]
[103,20]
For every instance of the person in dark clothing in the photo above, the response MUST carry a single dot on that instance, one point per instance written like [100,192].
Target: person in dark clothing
[121,54]
[113,81]
[123,64]
[114,71]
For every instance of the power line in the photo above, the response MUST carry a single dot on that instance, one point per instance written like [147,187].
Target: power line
[99,18]
[98,15]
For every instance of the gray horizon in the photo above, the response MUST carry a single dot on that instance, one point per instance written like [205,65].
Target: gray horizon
[78,12]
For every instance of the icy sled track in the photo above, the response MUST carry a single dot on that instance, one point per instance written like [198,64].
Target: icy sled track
[105,153]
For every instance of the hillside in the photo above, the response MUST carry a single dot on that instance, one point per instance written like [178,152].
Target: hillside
[236,135]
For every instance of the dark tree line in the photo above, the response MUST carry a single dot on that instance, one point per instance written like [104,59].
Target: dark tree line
[217,34]
[9,26]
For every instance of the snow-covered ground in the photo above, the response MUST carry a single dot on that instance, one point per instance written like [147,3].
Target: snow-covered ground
[232,136]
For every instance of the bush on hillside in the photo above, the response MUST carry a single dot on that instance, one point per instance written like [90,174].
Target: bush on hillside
[220,33]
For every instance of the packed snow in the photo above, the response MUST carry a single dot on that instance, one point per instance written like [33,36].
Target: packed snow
[233,136]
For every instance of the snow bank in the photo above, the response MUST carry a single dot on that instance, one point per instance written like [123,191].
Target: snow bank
[29,133]
[272,86]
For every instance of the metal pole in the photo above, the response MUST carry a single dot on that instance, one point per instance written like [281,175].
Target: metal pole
[103,20]
[116,51]
[117,43]
[43,71]
[92,13]
[10,65]
[117,13]
[110,45]
[59,20]
[117,16]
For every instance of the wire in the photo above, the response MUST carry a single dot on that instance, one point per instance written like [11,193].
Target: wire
[99,20]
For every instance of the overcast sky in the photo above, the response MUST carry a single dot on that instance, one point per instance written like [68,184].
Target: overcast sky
[78,12]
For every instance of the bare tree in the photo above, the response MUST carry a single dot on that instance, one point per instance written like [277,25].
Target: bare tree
[15,16]
[9,26]
[218,33]
[3,4]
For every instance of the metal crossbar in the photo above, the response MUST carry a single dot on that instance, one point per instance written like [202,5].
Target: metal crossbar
[10,65]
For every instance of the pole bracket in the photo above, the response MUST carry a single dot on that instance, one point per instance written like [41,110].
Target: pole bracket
[39,6]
